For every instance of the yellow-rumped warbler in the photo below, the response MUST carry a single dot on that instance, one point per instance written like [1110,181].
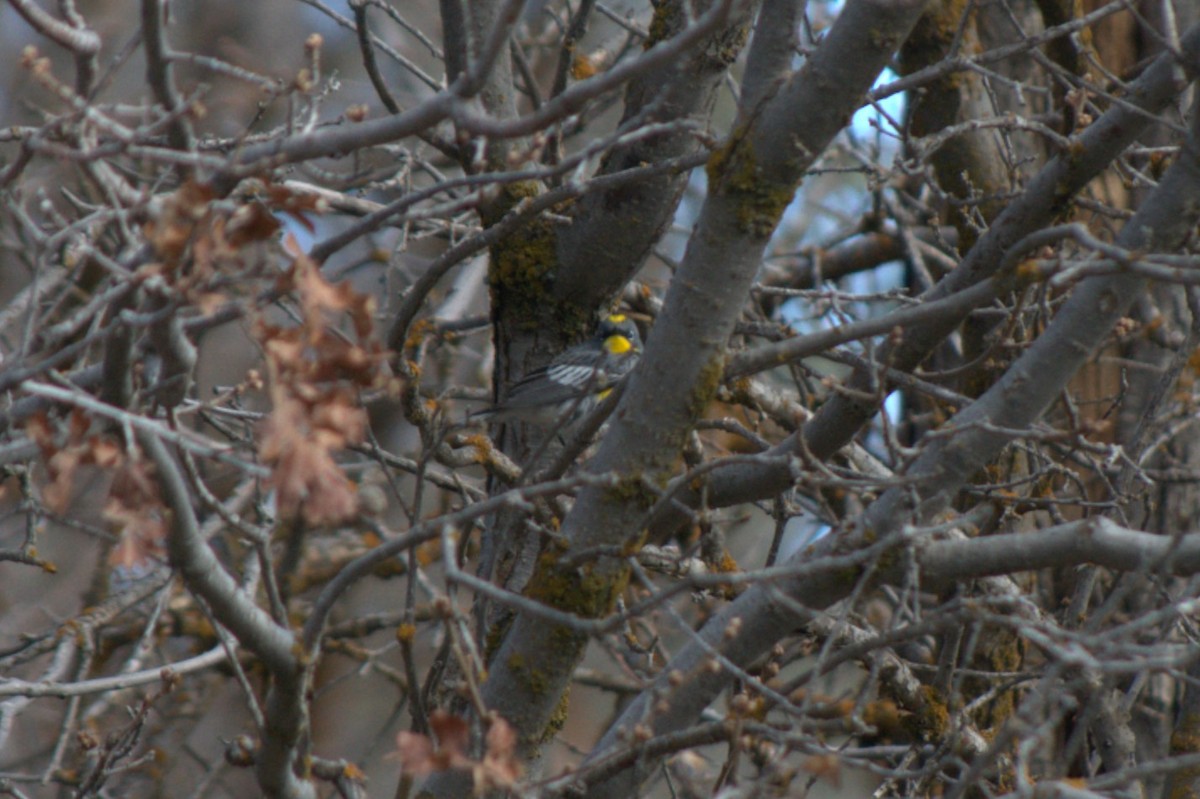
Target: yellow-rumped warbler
[576,381]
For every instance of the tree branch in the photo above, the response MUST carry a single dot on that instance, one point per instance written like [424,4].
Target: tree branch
[1015,401]
[684,353]
[844,414]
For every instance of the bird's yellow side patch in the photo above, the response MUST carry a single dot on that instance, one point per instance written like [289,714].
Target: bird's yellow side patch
[618,344]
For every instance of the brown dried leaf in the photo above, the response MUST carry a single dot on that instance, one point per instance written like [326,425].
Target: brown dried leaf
[318,295]
[500,767]
[39,430]
[417,755]
[342,419]
[136,511]
[170,232]
[296,203]
[453,733]
[316,411]
[60,467]
[141,540]
[826,767]
[251,222]
[64,458]
[306,478]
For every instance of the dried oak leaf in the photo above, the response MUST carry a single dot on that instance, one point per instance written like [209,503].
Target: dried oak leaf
[295,203]
[421,757]
[319,297]
[64,455]
[251,222]
[170,230]
[827,767]
[314,375]
[499,767]
[136,511]
[305,477]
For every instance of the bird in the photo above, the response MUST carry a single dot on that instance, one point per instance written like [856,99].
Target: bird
[576,381]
